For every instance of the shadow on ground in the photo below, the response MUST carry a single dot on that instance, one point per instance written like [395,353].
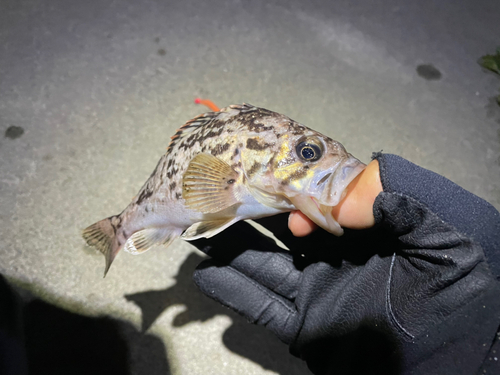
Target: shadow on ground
[37,338]
[245,339]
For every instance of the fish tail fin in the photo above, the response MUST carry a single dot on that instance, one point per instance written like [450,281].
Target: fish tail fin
[102,236]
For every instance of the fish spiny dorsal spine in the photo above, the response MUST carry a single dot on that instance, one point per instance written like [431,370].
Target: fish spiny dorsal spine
[206,119]
[188,127]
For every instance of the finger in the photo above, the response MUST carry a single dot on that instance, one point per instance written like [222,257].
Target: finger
[300,224]
[258,304]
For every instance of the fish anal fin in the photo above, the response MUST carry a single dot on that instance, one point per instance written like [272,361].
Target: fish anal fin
[208,185]
[208,228]
[145,239]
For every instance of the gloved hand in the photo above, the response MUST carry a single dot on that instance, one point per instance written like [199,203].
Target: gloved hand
[411,295]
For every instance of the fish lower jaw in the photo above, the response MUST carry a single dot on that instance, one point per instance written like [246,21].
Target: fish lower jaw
[323,208]
[319,213]
[332,225]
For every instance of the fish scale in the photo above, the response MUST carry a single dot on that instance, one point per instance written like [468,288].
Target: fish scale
[242,162]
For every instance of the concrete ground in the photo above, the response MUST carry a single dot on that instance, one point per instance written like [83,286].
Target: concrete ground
[91,91]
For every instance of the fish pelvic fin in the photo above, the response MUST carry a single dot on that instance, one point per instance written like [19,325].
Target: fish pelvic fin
[102,236]
[208,228]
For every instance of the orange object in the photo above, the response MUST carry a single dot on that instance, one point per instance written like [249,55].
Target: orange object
[207,103]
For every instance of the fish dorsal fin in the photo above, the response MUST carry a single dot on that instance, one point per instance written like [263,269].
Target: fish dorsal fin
[190,126]
[208,185]
[145,239]
[205,119]
[207,228]
[245,107]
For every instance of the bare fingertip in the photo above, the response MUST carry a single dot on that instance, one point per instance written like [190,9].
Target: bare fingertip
[300,225]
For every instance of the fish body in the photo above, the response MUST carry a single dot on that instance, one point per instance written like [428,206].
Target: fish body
[242,162]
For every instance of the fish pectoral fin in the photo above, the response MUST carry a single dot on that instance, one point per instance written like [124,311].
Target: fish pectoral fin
[208,185]
[207,228]
[145,239]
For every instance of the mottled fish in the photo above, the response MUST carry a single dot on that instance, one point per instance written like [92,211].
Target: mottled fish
[242,162]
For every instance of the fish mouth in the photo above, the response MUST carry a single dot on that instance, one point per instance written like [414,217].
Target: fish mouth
[328,194]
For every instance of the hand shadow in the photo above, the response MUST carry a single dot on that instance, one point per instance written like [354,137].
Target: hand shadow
[242,338]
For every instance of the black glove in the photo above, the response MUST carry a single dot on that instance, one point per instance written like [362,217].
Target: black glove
[411,295]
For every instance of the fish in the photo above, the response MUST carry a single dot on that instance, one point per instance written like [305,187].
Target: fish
[241,162]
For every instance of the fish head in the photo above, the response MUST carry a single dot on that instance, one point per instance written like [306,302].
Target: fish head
[309,170]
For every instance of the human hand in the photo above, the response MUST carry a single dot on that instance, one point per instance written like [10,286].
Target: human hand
[410,295]
[292,293]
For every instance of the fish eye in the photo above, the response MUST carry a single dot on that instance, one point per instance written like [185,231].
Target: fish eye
[308,151]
